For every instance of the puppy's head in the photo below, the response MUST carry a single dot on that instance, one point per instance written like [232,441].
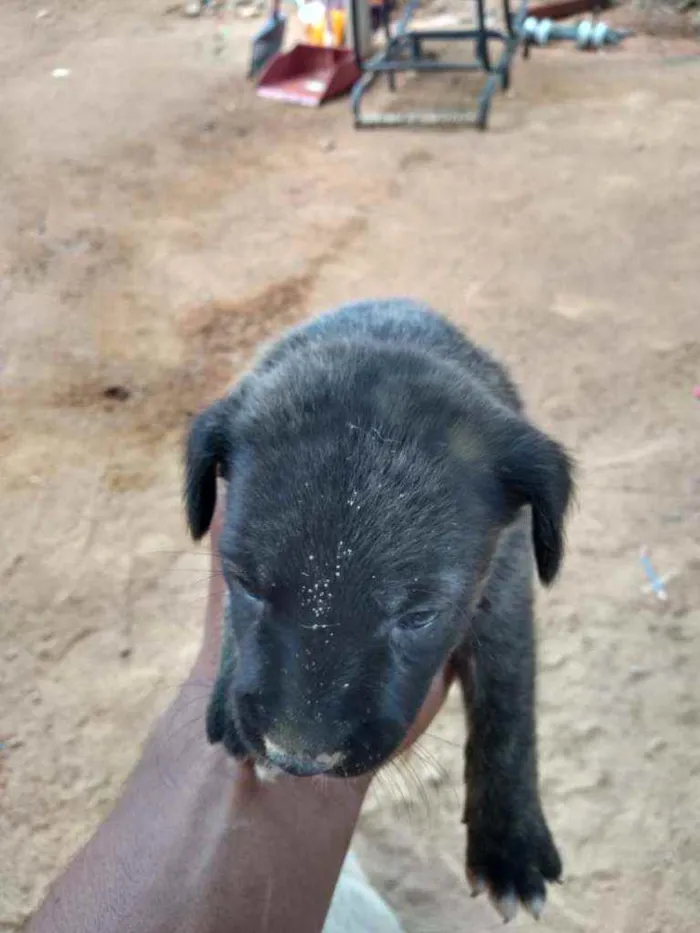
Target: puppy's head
[362,515]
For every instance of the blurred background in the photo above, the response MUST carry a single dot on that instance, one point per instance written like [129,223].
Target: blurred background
[158,220]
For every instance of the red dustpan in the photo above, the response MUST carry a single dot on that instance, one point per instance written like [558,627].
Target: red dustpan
[309,75]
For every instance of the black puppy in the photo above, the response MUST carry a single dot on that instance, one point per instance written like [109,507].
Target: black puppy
[385,492]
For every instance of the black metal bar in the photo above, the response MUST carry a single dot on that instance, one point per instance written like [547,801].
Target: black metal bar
[356,34]
[440,35]
[422,66]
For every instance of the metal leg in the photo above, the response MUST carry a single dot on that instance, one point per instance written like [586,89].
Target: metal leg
[386,18]
[508,18]
[356,33]
[482,45]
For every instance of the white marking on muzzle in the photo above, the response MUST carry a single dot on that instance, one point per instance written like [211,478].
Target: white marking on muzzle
[324,760]
[266,774]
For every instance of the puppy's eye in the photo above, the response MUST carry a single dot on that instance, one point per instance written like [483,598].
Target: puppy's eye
[417,621]
[242,580]
[248,587]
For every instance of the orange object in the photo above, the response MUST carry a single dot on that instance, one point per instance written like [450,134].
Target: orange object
[323,27]
[338,19]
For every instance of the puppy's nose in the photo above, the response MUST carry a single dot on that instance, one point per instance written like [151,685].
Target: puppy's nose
[300,764]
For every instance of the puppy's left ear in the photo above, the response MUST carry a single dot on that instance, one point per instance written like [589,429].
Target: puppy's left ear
[538,471]
[208,450]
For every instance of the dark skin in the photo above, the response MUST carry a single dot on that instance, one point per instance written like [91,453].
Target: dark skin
[196,844]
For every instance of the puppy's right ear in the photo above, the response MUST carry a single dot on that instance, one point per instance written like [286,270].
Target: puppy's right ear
[208,449]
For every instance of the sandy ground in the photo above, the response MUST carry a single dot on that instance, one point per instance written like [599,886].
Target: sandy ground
[157,221]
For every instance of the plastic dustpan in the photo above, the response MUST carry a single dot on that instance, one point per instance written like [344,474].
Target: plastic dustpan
[309,75]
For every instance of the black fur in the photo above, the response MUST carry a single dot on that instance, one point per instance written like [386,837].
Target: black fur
[386,494]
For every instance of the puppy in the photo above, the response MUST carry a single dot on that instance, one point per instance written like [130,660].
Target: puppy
[386,498]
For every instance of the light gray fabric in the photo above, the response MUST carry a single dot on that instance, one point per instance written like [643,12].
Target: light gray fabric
[356,907]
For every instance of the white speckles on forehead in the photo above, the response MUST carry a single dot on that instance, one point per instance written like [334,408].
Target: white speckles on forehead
[353,500]
[316,591]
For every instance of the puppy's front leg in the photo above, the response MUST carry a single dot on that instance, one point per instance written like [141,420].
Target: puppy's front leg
[510,851]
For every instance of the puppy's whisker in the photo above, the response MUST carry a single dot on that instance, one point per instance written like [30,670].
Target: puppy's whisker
[183,704]
[385,785]
[173,733]
[412,779]
[207,683]
[435,772]
[168,775]
[440,738]
[426,757]
[176,553]
[396,782]
[180,687]
[204,572]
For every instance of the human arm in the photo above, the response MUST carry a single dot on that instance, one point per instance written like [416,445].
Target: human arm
[196,844]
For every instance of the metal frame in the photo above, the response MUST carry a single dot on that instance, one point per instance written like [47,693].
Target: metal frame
[404,51]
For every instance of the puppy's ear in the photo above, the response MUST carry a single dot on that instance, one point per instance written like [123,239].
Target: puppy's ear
[207,450]
[538,471]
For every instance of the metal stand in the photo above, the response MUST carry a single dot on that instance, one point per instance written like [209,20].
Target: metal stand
[405,51]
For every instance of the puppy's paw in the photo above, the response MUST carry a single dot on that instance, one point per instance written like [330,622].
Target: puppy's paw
[512,860]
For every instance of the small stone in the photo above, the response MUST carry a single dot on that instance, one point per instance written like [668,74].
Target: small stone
[126,651]
[637,672]
[117,393]
[11,654]
[14,742]
[655,746]
[328,145]
[604,780]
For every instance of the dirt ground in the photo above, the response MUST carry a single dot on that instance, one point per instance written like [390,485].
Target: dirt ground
[157,221]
